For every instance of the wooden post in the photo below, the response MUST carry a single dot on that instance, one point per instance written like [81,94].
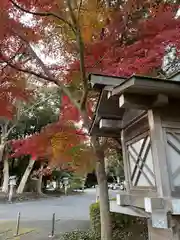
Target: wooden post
[125,162]
[162,179]
[159,154]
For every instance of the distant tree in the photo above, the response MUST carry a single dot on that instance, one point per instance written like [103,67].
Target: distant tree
[31,117]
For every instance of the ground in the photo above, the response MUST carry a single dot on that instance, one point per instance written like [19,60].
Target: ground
[72,212]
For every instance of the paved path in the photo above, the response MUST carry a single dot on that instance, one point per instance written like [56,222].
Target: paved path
[75,206]
[72,212]
[65,207]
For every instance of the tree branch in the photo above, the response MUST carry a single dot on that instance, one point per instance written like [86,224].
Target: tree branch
[48,77]
[79,10]
[27,110]
[81,53]
[43,14]
[39,75]
[10,59]
[108,3]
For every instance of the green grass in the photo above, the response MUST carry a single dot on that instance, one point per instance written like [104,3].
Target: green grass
[8,230]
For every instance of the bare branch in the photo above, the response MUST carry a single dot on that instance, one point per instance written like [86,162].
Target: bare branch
[43,14]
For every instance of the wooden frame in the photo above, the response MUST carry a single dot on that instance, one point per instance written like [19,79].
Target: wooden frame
[128,210]
[148,109]
[140,101]
[138,168]
[98,81]
[134,131]
[136,127]
[172,129]
[148,86]
[159,153]
[110,124]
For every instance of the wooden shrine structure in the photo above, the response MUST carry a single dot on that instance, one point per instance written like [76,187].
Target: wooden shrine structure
[145,113]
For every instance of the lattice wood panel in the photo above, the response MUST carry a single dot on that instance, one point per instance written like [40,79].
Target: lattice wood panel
[173,155]
[141,163]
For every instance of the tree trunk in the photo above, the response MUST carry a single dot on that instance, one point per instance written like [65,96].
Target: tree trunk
[58,184]
[25,177]
[5,175]
[2,146]
[106,229]
[44,183]
[4,157]
[39,182]
[106,165]
[39,185]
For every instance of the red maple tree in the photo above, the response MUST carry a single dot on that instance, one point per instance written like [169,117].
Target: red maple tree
[12,89]
[125,48]
[12,82]
[59,143]
[136,46]
[142,49]
[130,43]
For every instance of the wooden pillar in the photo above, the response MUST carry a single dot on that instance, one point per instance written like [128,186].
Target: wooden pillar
[159,154]
[125,162]
[162,179]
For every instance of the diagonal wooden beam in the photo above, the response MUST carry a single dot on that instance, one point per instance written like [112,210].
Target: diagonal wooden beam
[149,181]
[139,157]
[142,163]
[174,136]
[176,173]
[145,165]
[173,146]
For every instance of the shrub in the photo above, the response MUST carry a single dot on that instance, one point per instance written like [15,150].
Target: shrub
[76,183]
[79,235]
[123,226]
